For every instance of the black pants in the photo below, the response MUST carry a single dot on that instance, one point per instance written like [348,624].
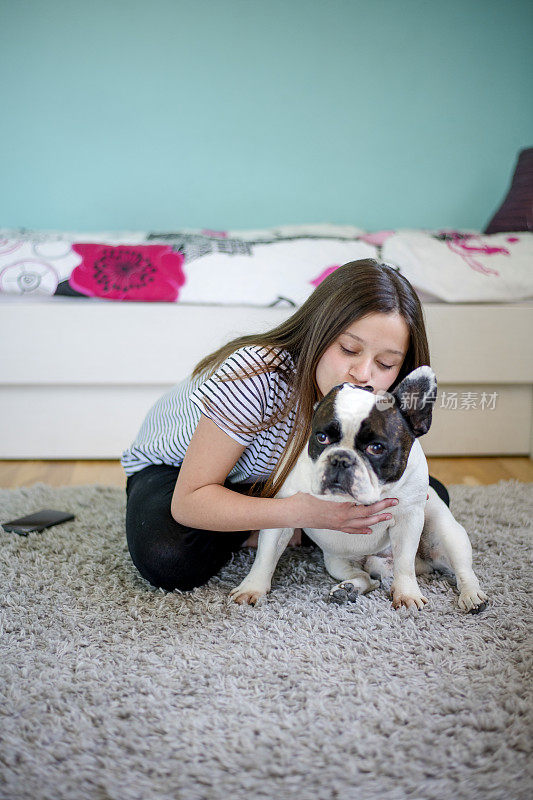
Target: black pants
[174,556]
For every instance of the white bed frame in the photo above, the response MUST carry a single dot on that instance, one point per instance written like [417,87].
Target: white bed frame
[78,376]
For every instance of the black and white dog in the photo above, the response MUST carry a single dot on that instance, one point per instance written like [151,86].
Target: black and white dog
[364,447]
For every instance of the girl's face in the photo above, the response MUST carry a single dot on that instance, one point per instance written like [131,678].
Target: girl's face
[370,352]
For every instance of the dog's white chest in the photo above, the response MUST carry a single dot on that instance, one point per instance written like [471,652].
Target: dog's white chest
[352,545]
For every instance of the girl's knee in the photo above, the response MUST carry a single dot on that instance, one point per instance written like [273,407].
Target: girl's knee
[167,565]
[167,570]
[170,556]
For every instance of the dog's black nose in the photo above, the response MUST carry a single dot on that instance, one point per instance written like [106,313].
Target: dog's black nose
[341,460]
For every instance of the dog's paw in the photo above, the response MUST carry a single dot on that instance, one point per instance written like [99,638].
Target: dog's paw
[409,601]
[343,593]
[408,596]
[247,593]
[473,600]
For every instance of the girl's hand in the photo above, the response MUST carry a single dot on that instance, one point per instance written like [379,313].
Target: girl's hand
[311,512]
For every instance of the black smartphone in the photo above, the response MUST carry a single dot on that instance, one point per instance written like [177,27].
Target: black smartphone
[37,522]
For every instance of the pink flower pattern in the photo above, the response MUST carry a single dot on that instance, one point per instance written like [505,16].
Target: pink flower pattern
[141,273]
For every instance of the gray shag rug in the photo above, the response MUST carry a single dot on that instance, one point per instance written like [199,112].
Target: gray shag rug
[114,690]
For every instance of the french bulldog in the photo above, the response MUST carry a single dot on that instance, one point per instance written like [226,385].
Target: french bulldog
[364,447]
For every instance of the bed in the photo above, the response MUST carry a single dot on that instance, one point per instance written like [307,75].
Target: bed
[95,327]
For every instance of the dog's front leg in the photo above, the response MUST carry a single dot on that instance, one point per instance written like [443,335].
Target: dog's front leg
[405,537]
[272,542]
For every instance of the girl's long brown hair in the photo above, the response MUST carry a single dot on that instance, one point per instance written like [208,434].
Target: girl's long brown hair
[349,293]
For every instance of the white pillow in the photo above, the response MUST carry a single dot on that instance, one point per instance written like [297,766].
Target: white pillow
[464,266]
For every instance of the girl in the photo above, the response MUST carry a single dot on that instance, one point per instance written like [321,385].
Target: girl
[200,472]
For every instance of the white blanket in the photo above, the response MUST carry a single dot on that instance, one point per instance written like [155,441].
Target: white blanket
[276,267]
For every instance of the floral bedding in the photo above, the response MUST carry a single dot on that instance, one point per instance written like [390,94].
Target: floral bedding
[275,267]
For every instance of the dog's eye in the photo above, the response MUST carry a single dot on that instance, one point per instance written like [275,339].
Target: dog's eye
[375,449]
[322,438]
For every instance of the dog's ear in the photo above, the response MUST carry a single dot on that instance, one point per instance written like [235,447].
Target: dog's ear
[415,397]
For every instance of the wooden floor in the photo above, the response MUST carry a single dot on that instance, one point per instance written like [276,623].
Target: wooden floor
[468,471]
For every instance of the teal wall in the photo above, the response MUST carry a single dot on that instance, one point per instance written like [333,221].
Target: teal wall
[237,113]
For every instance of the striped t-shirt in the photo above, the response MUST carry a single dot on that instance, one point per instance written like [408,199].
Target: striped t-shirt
[169,425]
